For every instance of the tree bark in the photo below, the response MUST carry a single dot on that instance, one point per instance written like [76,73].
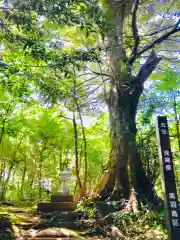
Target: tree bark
[85,148]
[119,133]
[79,184]
[127,167]
[125,89]
[126,163]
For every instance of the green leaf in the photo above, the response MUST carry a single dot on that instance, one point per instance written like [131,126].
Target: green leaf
[157,76]
[3,97]
[145,18]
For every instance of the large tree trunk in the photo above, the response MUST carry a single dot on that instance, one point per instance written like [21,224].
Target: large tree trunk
[119,130]
[127,170]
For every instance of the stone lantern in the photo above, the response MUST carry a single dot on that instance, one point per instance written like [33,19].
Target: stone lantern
[62,201]
[65,176]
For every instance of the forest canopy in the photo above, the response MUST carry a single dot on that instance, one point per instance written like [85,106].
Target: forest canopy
[81,84]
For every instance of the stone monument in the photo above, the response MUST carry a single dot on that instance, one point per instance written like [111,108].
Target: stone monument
[62,201]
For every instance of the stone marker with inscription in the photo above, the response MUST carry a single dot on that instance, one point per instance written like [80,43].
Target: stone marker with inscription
[168,179]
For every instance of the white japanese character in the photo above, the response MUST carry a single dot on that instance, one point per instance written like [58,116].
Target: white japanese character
[163,125]
[174,213]
[168,167]
[166,153]
[175,222]
[172,196]
[173,204]
[167,160]
[163,131]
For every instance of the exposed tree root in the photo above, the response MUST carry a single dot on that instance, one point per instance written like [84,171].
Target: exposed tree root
[81,195]
[132,204]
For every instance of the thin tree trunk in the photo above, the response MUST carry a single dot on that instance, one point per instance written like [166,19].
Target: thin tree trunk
[5,184]
[4,122]
[40,175]
[60,159]
[85,147]
[23,178]
[76,152]
[80,155]
[2,130]
[76,106]
[3,165]
[32,181]
[66,152]
[176,119]
[40,168]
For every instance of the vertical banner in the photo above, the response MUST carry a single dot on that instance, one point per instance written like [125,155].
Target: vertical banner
[168,179]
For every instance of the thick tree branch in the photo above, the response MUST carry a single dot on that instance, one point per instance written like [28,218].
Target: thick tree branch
[135,32]
[158,40]
[148,67]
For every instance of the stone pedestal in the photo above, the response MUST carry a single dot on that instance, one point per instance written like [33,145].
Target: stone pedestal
[58,202]
[61,198]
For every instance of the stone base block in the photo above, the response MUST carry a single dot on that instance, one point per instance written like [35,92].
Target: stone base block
[61,198]
[56,206]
